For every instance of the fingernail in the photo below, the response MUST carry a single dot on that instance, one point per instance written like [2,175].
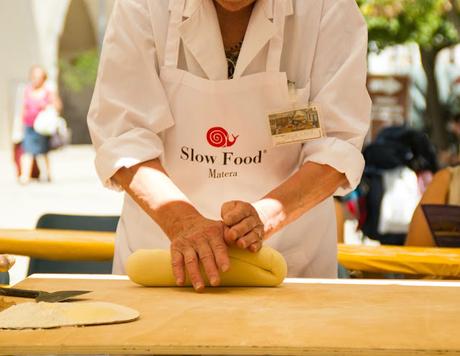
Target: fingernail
[179,282]
[242,245]
[198,286]
[214,281]
[225,267]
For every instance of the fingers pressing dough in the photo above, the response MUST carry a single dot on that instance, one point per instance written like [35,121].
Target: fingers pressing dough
[267,268]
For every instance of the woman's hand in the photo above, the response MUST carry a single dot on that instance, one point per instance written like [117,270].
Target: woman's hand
[244,228]
[199,240]
[194,239]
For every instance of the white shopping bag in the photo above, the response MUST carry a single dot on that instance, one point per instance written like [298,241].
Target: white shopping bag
[401,196]
[47,122]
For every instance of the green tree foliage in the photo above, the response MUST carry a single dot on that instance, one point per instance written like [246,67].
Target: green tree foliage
[426,22]
[433,25]
[79,72]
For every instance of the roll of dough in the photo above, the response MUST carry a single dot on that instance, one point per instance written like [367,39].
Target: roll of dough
[267,268]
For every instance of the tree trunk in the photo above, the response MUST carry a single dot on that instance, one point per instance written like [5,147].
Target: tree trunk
[435,118]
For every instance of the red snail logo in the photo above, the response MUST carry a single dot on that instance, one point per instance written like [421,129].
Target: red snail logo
[219,137]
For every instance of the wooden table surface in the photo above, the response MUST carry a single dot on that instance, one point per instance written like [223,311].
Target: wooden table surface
[316,317]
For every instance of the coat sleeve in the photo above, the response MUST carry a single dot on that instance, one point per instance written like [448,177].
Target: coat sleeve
[338,86]
[129,107]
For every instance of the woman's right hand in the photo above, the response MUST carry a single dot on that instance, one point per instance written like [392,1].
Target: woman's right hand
[199,240]
[194,238]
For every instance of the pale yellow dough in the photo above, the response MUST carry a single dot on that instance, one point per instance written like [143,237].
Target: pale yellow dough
[267,268]
[52,315]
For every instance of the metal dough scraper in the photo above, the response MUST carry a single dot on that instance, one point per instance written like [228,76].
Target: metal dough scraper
[41,296]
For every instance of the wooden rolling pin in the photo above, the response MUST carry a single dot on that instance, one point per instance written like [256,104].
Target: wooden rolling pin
[99,246]
[58,245]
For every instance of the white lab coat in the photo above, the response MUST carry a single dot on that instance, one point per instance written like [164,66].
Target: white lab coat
[324,53]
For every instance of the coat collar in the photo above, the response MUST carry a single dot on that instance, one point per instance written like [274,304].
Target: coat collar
[192,5]
[202,23]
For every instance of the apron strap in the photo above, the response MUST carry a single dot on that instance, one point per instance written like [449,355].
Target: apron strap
[276,43]
[173,37]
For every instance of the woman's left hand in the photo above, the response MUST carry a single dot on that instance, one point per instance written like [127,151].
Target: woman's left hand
[244,228]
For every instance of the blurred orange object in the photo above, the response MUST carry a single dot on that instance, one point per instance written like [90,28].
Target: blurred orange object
[58,245]
[436,193]
[6,262]
[417,261]
[340,221]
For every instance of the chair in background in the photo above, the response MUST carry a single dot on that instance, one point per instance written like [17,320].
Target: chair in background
[74,222]
[340,218]
[436,193]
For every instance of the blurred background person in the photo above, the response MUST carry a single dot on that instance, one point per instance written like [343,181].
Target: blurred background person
[37,98]
[17,135]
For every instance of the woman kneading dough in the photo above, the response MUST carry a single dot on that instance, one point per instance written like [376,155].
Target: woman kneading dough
[231,123]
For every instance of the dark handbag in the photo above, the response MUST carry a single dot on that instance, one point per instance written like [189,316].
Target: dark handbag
[60,138]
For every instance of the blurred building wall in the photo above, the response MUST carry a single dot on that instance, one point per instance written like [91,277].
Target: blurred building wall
[19,50]
[30,32]
[82,33]
[78,36]
[100,12]
[50,16]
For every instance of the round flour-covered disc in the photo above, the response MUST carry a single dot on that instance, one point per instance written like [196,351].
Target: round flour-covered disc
[52,315]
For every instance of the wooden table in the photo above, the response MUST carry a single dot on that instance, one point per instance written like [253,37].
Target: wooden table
[303,317]
[424,261]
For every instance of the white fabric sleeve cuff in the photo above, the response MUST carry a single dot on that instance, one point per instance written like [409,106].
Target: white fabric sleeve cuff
[132,147]
[340,155]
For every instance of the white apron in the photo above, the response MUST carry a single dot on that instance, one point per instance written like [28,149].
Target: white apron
[220,149]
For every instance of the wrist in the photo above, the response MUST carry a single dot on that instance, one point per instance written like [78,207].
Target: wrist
[178,218]
[271,213]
